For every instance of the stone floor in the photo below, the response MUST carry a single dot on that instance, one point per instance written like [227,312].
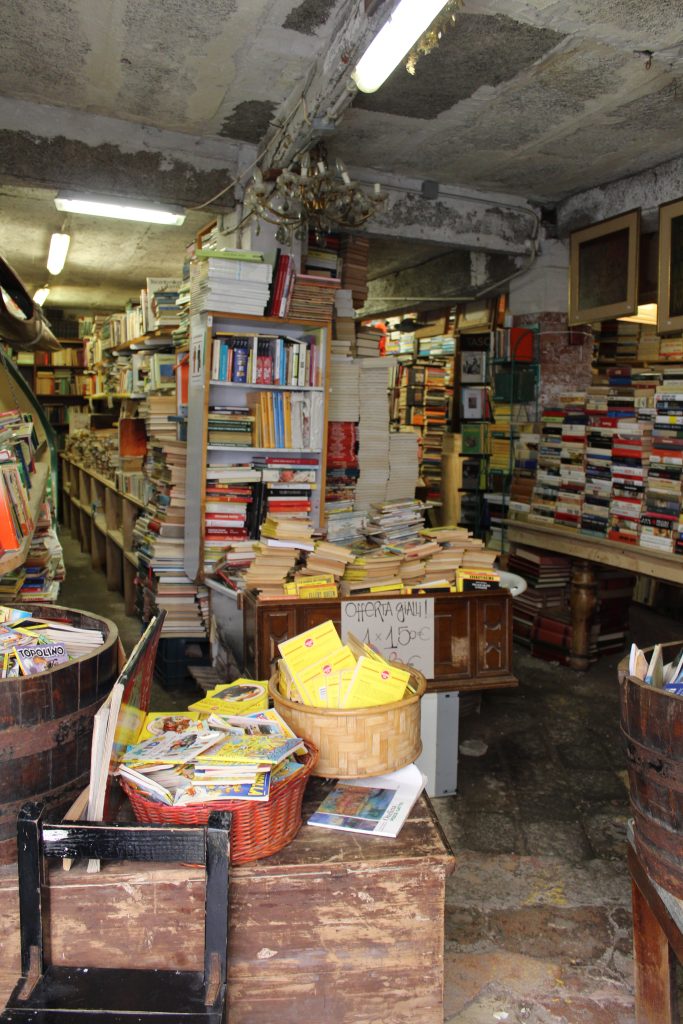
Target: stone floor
[538,916]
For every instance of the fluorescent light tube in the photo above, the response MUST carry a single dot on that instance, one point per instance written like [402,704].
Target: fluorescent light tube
[120,211]
[56,257]
[393,41]
[40,296]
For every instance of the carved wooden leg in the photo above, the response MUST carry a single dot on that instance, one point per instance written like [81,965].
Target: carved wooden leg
[582,599]
[653,965]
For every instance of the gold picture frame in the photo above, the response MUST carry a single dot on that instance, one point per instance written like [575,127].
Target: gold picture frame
[670,278]
[603,269]
[475,316]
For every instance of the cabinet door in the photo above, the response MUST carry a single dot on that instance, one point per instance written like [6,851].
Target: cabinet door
[314,613]
[273,626]
[493,633]
[453,640]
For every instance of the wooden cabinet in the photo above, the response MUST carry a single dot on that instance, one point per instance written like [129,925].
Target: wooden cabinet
[472,641]
[336,927]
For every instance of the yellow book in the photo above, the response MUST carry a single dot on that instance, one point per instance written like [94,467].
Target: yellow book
[312,682]
[374,682]
[287,416]
[236,698]
[156,723]
[310,647]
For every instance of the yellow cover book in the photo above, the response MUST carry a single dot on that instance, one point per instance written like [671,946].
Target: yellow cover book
[309,647]
[236,698]
[287,416]
[156,723]
[374,682]
[476,579]
[312,681]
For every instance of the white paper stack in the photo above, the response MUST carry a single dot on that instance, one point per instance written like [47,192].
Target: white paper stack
[373,431]
[222,285]
[403,465]
[344,333]
[343,404]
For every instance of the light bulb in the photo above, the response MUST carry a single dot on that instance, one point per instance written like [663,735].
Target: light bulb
[393,41]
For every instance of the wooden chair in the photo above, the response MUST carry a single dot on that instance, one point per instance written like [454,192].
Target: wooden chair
[48,994]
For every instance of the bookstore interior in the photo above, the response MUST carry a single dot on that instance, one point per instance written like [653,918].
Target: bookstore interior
[338,526]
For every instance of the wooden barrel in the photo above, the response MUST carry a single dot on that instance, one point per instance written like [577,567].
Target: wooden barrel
[46,727]
[652,725]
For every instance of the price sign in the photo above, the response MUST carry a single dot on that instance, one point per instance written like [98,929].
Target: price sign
[400,628]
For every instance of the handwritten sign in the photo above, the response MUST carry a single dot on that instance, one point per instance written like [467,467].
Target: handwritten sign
[400,628]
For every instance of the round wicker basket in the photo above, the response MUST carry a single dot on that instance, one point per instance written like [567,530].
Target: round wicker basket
[357,742]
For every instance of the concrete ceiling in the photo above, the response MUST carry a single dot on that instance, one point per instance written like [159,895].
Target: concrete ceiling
[534,100]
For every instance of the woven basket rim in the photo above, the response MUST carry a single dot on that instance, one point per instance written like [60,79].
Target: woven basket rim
[345,712]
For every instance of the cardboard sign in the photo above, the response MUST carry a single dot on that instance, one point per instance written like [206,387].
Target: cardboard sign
[400,628]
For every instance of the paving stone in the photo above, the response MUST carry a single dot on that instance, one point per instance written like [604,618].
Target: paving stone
[605,828]
[493,978]
[466,927]
[577,933]
[490,833]
[560,838]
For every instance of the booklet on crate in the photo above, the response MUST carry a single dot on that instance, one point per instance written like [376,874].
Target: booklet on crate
[377,806]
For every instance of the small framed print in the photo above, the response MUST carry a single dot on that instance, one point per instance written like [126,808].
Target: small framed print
[475,316]
[670,286]
[473,366]
[603,269]
[473,403]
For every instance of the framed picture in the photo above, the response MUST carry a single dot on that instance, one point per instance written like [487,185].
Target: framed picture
[475,316]
[670,287]
[603,269]
[473,403]
[473,366]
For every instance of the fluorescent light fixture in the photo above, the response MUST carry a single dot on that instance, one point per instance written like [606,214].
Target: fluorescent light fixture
[56,257]
[644,314]
[120,211]
[40,296]
[393,41]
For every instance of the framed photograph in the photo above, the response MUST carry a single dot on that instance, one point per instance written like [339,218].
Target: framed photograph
[670,287]
[603,269]
[475,316]
[473,403]
[473,366]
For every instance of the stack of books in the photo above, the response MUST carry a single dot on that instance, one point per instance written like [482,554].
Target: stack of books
[572,482]
[229,281]
[373,433]
[354,255]
[344,324]
[312,297]
[547,484]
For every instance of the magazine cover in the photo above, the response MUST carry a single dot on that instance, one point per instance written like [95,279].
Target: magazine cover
[171,748]
[377,806]
[34,658]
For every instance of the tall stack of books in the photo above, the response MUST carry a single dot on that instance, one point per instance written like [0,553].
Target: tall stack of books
[598,491]
[367,343]
[373,432]
[436,414]
[568,506]
[229,281]
[631,448]
[343,324]
[547,485]
[404,466]
[524,471]
[661,512]
[159,540]
[354,254]
[323,255]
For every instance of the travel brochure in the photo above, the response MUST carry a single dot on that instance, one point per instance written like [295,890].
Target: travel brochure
[377,806]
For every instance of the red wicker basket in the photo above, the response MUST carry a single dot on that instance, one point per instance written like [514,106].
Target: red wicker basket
[259,828]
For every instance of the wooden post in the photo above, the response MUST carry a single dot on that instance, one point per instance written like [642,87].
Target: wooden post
[583,599]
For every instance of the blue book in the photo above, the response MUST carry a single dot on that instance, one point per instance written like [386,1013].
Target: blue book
[239,363]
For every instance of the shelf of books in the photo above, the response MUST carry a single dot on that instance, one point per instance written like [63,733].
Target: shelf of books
[257,407]
[101,517]
[31,563]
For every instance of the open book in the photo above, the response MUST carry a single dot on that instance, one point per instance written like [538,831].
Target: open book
[377,806]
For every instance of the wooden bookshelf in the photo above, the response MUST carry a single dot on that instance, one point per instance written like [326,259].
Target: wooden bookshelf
[206,394]
[13,559]
[102,518]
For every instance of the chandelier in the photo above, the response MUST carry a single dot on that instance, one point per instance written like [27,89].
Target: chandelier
[310,195]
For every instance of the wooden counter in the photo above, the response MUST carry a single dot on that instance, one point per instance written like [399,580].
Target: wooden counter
[586,552]
[472,635]
[337,927]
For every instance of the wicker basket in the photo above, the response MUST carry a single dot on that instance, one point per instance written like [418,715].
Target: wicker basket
[259,827]
[357,742]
